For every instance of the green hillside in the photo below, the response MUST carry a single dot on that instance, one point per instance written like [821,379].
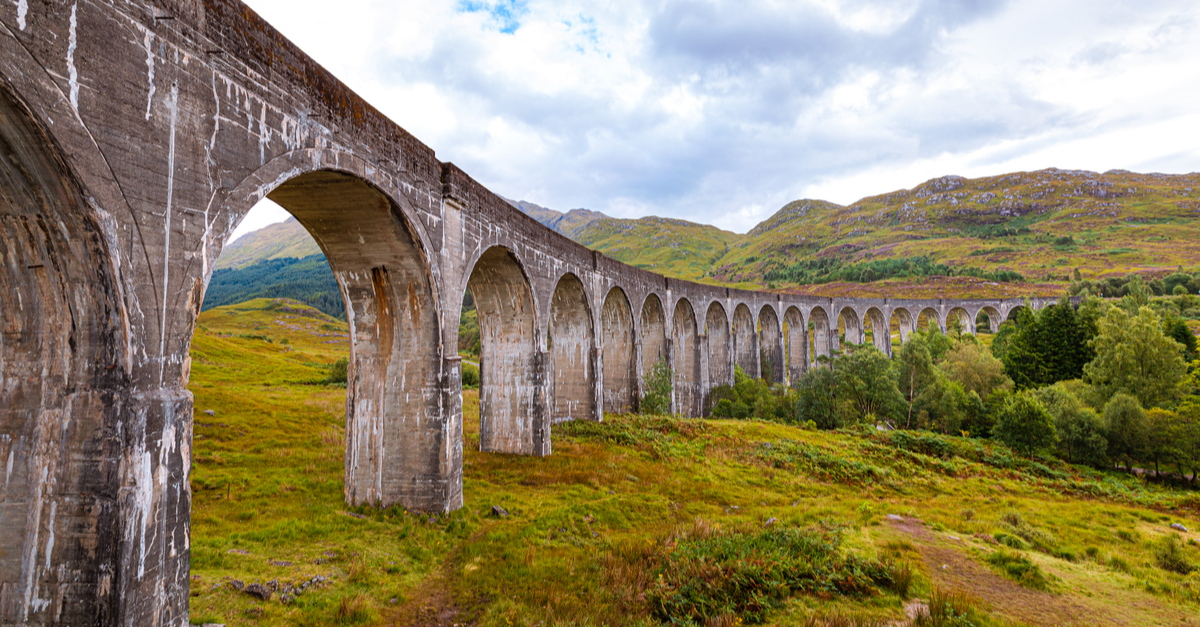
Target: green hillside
[283,240]
[308,280]
[653,520]
[673,247]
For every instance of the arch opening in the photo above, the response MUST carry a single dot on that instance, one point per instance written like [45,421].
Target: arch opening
[850,330]
[796,338]
[569,342]
[770,338]
[745,341]
[929,320]
[987,320]
[654,336]
[685,359]
[716,329]
[618,346]
[900,325]
[958,321]
[820,338]
[878,330]
[510,367]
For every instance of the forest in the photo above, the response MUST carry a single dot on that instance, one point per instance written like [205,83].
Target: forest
[308,280]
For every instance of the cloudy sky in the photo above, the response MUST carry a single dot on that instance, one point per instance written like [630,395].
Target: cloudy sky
[721,111]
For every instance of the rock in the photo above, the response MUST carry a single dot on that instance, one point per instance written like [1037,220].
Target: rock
[986,537]
[238,552]
[432,520]
[285,599]
[589,519]
[273,585]
[770,521]
[894,518]
[237,584]
[499,511]
[393,601]
[955,538]
[209,412]
[258,590]
[1179,527]
[279,563]
[213,625]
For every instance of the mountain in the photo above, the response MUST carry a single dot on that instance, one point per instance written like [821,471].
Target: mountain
[277,241]
[565,223]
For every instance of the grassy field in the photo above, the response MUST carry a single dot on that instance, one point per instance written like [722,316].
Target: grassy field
[638,517]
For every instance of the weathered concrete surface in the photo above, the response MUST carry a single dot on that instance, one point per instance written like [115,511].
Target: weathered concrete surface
[134,137]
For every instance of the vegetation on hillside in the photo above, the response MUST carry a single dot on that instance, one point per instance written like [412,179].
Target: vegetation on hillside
[308,280]
[282,240]
[646,520]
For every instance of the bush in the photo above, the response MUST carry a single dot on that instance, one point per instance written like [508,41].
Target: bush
[949,608]
[1024,425]
[1018,568]
[338,372]
[470,376]
[656,398]
[1170,557]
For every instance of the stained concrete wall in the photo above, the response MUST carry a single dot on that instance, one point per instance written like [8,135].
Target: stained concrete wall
[720,357]
[618,342]
[136,136]
[745,340]
[770,339]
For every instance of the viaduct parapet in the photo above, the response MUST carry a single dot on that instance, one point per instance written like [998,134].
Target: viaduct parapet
[134,137]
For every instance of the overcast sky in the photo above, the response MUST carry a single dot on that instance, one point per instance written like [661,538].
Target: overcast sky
[723,111]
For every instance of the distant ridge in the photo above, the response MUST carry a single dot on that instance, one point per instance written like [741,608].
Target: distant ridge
[287,239]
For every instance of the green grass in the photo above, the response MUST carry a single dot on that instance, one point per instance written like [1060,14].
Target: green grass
[620,504]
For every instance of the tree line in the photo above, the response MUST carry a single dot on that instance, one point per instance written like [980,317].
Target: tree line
[1101,383]
[827,270]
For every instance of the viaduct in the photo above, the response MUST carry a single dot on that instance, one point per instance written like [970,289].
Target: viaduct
[134,136]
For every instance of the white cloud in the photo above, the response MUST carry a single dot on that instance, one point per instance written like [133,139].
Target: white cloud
[721,111]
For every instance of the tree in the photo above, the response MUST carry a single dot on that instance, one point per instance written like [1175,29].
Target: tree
[817,398]
[1134,356]
[972,366]
[1049,346]
[1080,429]
[1126,428]
[656,398]
[1024,425]
[866,384]
[1178,330]
[916,372]
[1163,436]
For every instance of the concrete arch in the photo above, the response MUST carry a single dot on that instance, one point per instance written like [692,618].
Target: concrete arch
[720,357]
[796,340]
[685,359]
[618,346]
[770,338]
[881,332]
[992,317]
[396,441]
[819,332]
[66,381]
[850,329]
[960,317]
[569,342]
[510,390]
[745,340]
[903,322]
[653,333]
[928,318]
[1014,311]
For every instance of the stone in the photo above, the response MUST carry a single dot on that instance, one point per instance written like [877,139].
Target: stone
[895,518]
[499,511]
[258,590]
[1179,527]
[770,521]
[237,584]
[209,412]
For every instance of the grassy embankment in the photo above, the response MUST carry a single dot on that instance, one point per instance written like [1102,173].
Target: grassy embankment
[592,528]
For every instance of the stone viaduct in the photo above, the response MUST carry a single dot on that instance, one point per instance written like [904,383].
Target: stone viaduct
[134,136]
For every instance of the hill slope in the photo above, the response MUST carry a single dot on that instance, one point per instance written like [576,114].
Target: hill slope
[276,241]
[614,516]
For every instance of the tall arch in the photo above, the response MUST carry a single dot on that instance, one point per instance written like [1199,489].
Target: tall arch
[745,340]
[686,360]
[654,333]
[569,341]
[988,318]
[396,435]
[66,387]
[716,329]
[797,344]
[510,419]
[617,343]
[903,323]
[819,333]
[929,319]
[960,318]
[881,333]
[849,326]
[770,338]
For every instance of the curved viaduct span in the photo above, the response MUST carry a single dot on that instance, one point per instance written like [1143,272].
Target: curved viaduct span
[134,137]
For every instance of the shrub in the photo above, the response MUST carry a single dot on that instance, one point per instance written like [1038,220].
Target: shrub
[338,371]
[1116,563]
[1018,568]
[720,401]
[949,608]
[1012,542]
[1170,557]
[470,376]
[656,398]
[1025,425]
[723,409]
[353,611]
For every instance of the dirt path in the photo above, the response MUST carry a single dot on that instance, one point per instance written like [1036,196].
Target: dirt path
[950,566]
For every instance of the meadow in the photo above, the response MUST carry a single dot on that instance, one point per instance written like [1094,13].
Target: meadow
[650,519]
